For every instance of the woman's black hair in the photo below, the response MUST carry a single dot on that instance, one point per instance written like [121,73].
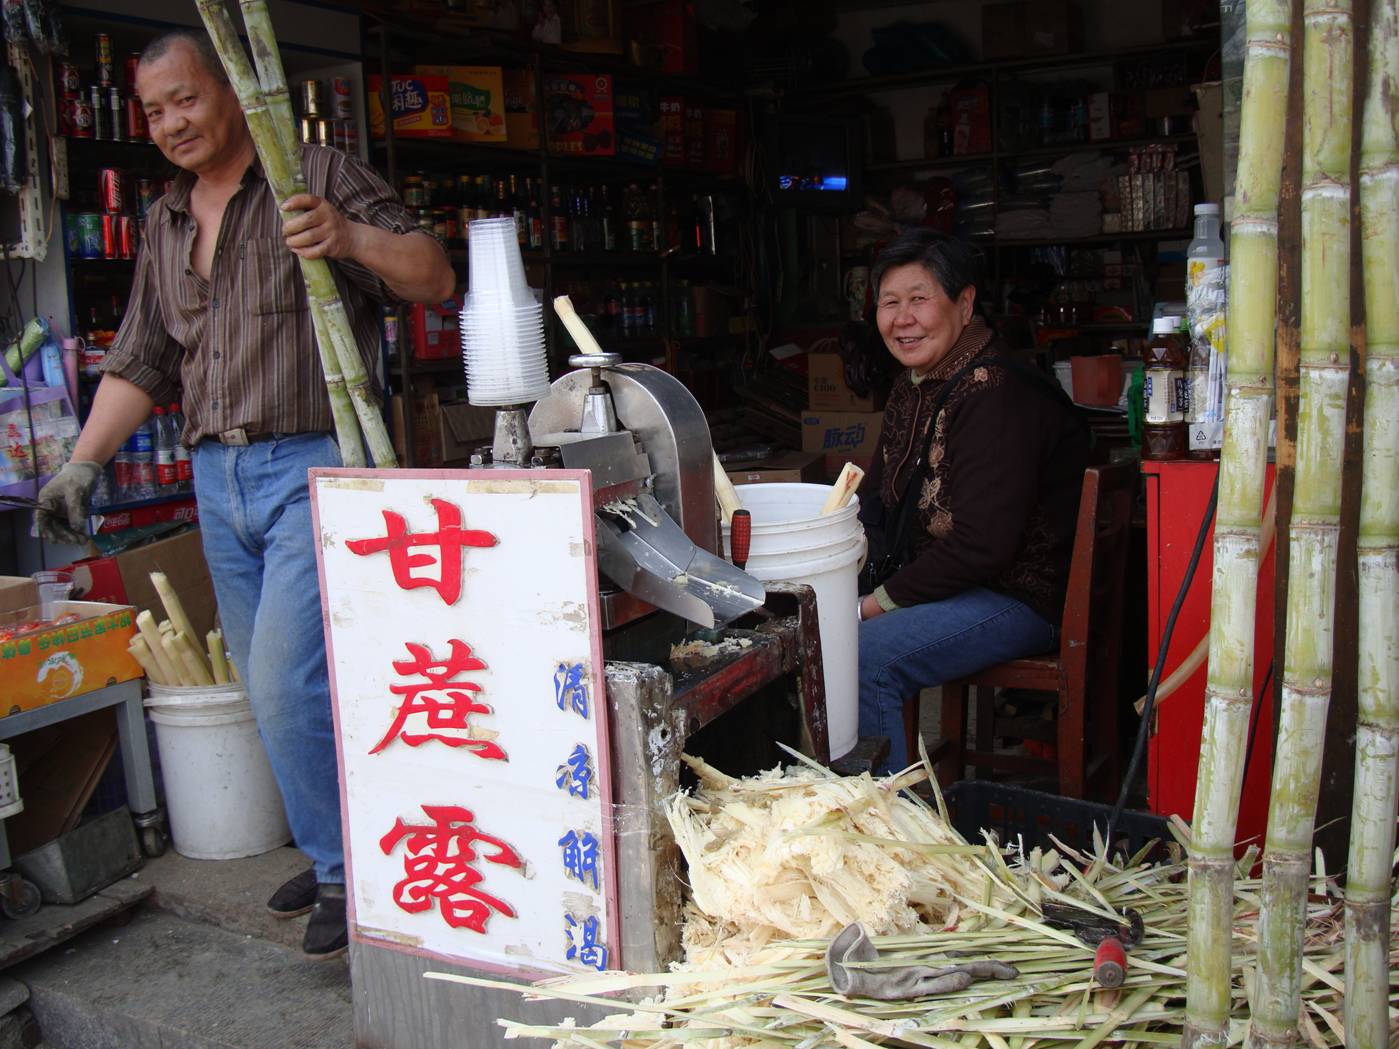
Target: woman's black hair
[954,263]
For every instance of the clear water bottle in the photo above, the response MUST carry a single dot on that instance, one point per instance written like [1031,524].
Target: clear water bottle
[143,462]
[184,465]
[122,471]
[165,477]
[1206,295]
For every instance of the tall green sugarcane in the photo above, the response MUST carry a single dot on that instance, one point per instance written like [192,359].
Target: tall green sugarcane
[267,107]
[1315,528]
[1376,791]
[1253,277]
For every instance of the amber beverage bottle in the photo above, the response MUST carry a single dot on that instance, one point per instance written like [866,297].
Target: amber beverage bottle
[1164,391]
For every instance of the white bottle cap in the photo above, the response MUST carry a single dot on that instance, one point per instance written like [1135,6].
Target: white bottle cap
[1207,209]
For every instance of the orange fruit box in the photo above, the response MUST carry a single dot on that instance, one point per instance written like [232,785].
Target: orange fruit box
[41,664]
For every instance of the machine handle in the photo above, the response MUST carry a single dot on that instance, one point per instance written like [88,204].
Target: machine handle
[740,537]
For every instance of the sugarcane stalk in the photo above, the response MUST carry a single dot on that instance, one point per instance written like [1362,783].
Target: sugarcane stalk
[188,651]
[141,652]
[174,659]
[1253,276]
[145,623]
[1376,788]
[347,383]
[218,662]
[1315,528]
[175,609]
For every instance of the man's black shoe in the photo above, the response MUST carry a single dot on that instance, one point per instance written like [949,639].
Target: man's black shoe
[327,935]
[295,897]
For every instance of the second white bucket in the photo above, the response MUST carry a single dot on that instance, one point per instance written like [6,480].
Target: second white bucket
[793,542]
[219,790]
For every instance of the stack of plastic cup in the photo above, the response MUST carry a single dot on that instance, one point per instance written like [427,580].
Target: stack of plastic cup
[502,321]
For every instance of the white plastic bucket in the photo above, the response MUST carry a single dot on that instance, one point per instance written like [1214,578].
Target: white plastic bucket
[794,543]
[222,799]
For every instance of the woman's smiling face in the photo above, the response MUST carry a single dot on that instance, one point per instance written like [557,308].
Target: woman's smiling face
[916,319]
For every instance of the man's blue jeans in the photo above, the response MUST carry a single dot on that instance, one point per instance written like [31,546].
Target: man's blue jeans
[255,516]
[924,645]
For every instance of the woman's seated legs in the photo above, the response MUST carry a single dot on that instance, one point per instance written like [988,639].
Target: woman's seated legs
[924,645]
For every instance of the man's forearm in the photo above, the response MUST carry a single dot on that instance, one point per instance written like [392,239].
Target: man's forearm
[118,407]
[413,265]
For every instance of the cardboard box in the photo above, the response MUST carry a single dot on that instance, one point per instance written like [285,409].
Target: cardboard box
[694,135]
[478,101]
[720,141]
[125,578]
[38,667]
[465,427]
[17,591]
[435,330]
[971,119]
[673,131]
[799,467]
[667,34]
[578,114]
[521,108]
[826,389]
[851,434]
[636,114]
[422,107]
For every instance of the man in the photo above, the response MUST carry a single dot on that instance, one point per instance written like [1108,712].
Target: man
[218,309]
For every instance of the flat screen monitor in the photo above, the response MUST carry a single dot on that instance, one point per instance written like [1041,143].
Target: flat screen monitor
[816,162]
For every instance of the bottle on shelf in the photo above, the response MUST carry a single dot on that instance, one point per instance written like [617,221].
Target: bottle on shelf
[517,210]
[653,212]
[1205,293]
[638,224]
[612,309]
[683,313]
[1163,428]
[608,221]
[143,462]
[166,477]
[558,220]
[184,464]
[535,215]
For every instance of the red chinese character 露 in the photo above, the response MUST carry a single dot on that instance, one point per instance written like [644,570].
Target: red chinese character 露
[449,539]
[438,865]
[447,702]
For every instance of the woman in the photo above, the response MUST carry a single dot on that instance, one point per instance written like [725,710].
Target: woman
[995,481]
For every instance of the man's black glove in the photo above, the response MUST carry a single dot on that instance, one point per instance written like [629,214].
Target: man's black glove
[62,513]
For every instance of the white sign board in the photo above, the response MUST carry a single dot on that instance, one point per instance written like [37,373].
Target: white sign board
[465,651]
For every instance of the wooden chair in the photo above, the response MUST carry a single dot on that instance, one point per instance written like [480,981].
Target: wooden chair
[1083,672]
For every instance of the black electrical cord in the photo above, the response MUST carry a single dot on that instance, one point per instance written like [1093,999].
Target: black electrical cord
[1139,748]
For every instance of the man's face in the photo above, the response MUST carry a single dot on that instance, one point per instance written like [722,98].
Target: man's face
[194,120]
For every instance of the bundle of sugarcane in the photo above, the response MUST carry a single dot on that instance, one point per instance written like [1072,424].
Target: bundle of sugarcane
[784,1000]
[267,107]
[168,651]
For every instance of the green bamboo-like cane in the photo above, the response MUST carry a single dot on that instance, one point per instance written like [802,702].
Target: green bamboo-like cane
[1376,791]
[346,380]
[1315,528]
[1253,276]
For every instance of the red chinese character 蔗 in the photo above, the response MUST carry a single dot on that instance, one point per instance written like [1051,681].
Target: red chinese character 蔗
[438,865]
[447,702]
[449,539]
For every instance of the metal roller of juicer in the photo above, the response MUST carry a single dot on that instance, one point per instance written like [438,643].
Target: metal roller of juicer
[645,439]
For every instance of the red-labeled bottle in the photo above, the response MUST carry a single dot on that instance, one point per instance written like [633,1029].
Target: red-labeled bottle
[1164,392]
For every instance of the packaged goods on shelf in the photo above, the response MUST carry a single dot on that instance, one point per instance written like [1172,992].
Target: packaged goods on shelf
[477,98]
[421,106]
[578,111]
[667,35]
[673,131]
[637,115]
[521,108]
[29,453]
[720,140]
[80,647]
[435,330]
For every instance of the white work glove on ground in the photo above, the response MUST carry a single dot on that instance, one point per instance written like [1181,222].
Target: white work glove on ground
[61,516]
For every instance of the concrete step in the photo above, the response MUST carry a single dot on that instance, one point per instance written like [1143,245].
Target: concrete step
[165,982]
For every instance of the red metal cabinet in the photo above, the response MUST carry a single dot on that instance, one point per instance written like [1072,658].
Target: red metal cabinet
[1176,495]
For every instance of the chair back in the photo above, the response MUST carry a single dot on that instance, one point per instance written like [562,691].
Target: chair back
[1091,630]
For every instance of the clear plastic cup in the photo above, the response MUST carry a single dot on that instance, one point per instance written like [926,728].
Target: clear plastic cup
[54,586]
[495,264]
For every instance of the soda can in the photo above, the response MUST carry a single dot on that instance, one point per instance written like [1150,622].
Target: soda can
[99,113]
[69,82]
[146,195]
[342,101]
[117,108]
[80,117]
[309,94]
[135,119]
[307,129]
[133,62]
[111,190]
[129,236]
[111,236]
[72,240]
[89,235]
[325,133]
[391,329]
[104,60]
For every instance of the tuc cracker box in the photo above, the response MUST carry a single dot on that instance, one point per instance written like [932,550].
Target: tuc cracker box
[80,649]
[478,100]
[421,105]
[578,113]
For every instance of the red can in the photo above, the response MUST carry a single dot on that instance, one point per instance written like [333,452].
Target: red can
[69,83]
[135,119]
[80,118]
[130,236]
[342,103]
[111,190]
[133,62]
[111,236]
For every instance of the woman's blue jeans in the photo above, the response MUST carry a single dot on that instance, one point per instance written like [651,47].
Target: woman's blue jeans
[255,517]
[921,646]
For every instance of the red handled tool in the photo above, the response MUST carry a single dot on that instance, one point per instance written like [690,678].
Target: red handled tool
[740,537]
[1110,963]
[1110,939]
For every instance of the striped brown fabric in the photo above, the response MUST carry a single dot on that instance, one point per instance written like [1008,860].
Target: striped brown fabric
[238,350]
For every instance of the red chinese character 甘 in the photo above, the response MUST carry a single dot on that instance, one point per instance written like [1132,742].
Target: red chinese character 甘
[438,865]
[449,539]
[447,702]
